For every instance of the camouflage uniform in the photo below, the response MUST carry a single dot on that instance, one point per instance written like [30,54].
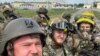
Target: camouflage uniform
[90,47]
[42,21]
[9,15]
[52,50]
[86,45]
[16,28]
[82,45]
[8,12]
[96,40]
[44,24]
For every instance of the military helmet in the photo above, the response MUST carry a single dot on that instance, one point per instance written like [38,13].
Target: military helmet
[53,23]
[80,20]
[20,27]
[89,14]
[6,7]
[66,15]
[42,11]
[56,20]
[59,23]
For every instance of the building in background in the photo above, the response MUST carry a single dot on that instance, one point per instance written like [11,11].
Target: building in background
[98,5]
[31,5]
[36,5]
[87,6]
[56,5]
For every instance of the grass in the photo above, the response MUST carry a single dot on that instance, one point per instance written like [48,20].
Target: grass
[59,12]
[51,13]
[25,13]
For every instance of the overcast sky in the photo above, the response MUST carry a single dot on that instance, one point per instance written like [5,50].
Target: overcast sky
[61,1]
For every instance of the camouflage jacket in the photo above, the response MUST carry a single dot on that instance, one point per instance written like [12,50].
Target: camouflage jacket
[86,45]
[52,50]
[44,24]
[39,20]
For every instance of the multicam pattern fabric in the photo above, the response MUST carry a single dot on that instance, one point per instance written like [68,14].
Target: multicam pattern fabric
[52,50]
[86,46]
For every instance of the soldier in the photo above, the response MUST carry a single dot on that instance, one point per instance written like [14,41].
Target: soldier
[56,42]
[7,11]
[85,27]
[9,15]
[43,19]
[22,37]
[66,16]
[42,13]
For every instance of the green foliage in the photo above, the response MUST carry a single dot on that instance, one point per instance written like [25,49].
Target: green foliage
[59,12]
[51,13]
[25,13]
